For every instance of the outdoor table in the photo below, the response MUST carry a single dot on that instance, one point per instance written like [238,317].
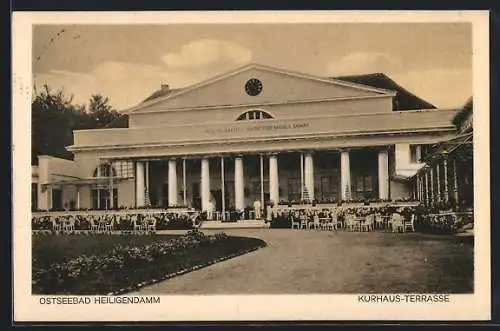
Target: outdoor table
[64,223]
[102,224]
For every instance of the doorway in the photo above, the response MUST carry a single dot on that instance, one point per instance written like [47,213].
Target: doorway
[217,194]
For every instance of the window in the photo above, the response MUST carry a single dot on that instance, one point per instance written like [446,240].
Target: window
[329,189]
[104,171]
[294,189]
[254,115]
[34,196]
[101,198]
[415,153]
[57,199]
[364,187]
[425,150]
[124,169]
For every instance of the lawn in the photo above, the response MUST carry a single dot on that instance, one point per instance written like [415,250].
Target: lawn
[109,264]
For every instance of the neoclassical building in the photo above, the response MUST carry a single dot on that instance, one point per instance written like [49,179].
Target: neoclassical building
[255,133]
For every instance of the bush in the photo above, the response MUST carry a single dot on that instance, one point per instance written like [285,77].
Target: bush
[123,222]
[174,222]
[281,222]
[442,224]
[92,273]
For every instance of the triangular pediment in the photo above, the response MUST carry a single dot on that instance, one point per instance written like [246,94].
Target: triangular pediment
[256,84]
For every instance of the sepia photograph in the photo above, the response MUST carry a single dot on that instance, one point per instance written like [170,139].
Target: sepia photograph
[256,160]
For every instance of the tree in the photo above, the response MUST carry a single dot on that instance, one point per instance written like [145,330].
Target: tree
[54,117]
[101,111]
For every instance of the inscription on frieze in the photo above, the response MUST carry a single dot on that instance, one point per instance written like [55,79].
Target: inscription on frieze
[263,127]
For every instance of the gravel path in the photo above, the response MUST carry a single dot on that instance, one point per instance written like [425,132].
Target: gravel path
[309,262]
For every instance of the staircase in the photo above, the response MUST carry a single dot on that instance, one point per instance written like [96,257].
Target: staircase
[347,193]
[305,194]
[147,200]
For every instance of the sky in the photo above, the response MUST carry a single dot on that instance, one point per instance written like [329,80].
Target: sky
[127,63]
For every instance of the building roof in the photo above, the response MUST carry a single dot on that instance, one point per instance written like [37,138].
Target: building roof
[162,92]
[404,99]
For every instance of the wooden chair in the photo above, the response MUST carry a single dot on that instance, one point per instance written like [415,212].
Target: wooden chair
[351,223]
[56,226]
[410,224]
[368,224]
[304,222]
[330,224]
[69,224]
[138,225]
[334,221]
[110,226]
[93,226]
[295,221]
[316,222]
[397,222]
[379,221]
[151,225]
[101,224]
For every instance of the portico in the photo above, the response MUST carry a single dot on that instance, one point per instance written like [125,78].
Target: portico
[234,181]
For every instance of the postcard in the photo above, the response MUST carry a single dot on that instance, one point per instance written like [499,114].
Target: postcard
[251,166]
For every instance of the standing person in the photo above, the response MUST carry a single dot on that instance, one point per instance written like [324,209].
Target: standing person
[269,212]
[257,209]
[210,210]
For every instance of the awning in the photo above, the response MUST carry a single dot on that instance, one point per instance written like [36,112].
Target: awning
[104,181]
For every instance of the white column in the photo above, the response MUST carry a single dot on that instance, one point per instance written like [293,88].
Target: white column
[438,183]
[421,188]
[432,185]
[99,188]
[44,193]
[111,191]
[239,185]
[418,188]
[445,178]
[301,177]
[273,179]
[345,175]
[78,198]
[205,184]
[146,166]
[418,152]
[139,184]
[426,187]
[383,175]
[172,183]
[261,180]
[223,188]
[455,184]
[184,187]
[309,174]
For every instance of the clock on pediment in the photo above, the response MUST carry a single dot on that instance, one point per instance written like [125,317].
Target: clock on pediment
[253,86]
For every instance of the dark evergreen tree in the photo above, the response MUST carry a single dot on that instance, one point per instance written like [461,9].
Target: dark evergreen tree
[54,116]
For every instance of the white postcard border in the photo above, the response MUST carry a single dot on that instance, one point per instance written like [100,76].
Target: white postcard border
[245,307]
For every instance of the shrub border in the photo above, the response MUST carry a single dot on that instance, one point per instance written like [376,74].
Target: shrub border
[138,286]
